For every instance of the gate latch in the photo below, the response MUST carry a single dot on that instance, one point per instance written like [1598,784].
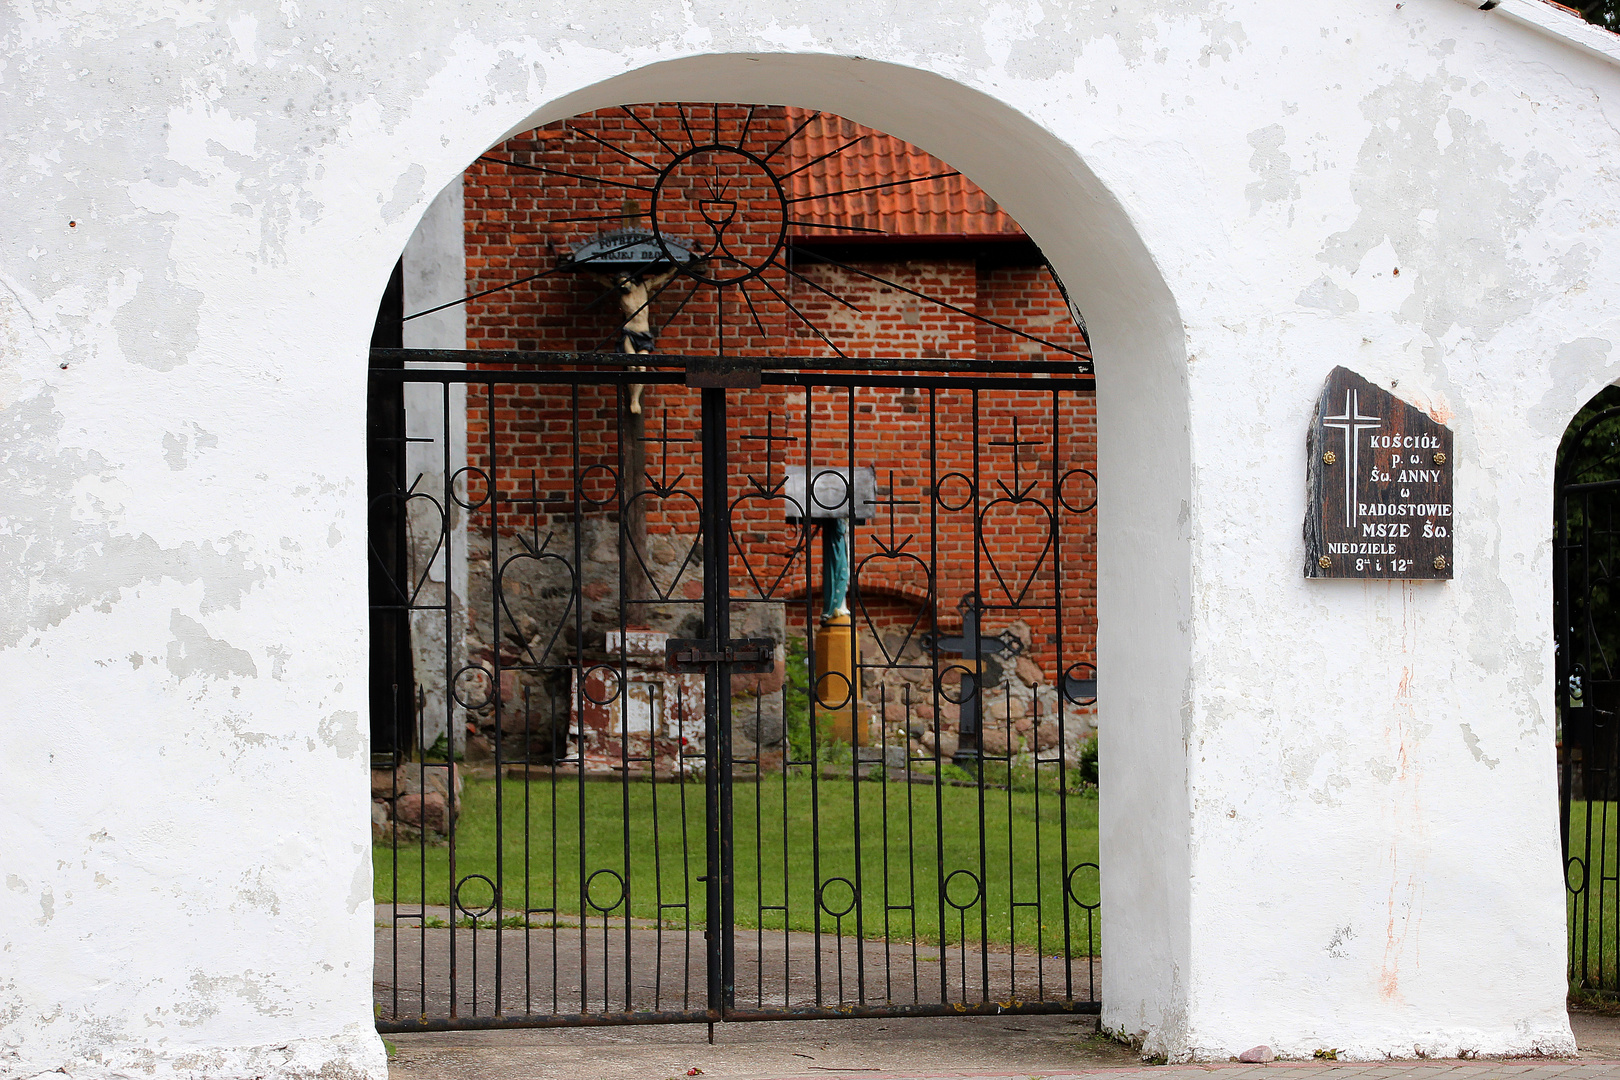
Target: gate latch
[738,372]
[747,656]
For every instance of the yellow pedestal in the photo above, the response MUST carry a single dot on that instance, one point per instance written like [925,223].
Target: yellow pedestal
[837,654]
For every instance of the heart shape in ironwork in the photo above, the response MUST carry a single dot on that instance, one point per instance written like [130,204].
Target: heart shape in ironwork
[541,558]
[1015,571]
[766,570]
[895,560]
[691,557]
[405,499]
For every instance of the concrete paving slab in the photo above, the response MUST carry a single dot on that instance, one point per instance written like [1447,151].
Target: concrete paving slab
[851,1048]
[931,1048]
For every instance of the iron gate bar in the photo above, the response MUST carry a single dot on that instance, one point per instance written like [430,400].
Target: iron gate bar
[716,529]
[608,361]
[1597,485]
[672,378]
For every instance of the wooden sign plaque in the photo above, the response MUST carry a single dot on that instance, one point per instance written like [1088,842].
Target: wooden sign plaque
[1378,499]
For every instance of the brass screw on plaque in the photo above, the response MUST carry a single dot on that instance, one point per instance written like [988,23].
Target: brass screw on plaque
[1324,562]
[1439,562]
[1329,458]
[1439,459]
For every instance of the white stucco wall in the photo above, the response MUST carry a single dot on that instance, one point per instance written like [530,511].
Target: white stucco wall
[1329,812]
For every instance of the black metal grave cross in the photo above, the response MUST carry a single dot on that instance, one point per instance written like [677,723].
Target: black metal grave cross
[972,646]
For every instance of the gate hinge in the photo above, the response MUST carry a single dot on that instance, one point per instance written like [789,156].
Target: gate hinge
[747,656]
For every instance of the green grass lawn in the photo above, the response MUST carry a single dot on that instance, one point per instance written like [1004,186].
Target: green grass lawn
[652,836]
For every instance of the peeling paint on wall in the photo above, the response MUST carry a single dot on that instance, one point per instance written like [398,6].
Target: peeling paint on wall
[341,731]
[193,652]
[1274,167]
[68,561]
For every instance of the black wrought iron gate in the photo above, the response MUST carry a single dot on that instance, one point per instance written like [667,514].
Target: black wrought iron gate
[1586,601]
[641,788]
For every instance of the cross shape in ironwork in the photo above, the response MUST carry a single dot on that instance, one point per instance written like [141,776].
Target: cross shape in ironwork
[891,548]
[667,485]
[770,439]
[533,502]
[1020,494]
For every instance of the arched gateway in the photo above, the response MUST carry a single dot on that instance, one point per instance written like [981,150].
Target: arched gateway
[1330,810]
[772,673]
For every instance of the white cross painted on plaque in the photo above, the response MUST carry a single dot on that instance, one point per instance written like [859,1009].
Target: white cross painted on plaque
[1352,423]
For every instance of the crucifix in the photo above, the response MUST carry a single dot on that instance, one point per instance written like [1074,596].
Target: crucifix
[635,265]
[972,647]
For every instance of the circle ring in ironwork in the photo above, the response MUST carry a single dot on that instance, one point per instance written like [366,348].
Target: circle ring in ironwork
[939,683]
[849,690]
[843,482]
[1576,861]
[455,687]
[1063,500]
[463,503]
[967,500]
[461,905]
[1068,886]
[612,672]
[821,897]
[978,889]
[753,269]
[584,476]
[1067,672]
[617,900]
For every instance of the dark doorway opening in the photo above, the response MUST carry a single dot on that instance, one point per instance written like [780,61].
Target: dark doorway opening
[393,683]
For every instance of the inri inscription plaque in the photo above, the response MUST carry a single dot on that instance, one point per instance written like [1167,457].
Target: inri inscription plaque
[1379,486]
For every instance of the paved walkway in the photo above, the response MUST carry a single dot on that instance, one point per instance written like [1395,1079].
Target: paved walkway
[572,969]
[955,1048]
[1282,1070]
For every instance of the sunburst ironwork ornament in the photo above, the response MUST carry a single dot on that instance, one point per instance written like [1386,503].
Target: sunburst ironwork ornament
[707,212]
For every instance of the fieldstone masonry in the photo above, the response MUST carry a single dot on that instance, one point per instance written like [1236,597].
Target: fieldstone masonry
[1020,706]
[544,640]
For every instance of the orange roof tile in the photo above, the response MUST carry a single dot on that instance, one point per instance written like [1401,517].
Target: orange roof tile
[949,206]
